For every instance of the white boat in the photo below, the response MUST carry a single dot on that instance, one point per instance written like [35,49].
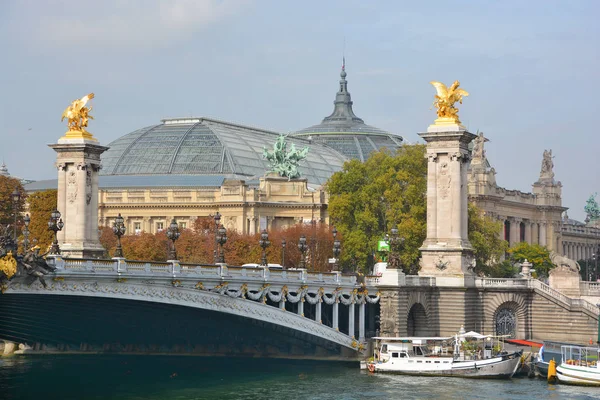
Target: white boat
[430,357]
[578,366]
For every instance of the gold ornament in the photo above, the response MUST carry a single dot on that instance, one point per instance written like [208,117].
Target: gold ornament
[8,265]
[444,101]
[78,115]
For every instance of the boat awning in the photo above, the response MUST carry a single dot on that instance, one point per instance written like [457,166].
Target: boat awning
[412,338]
[523,342]
[473,334]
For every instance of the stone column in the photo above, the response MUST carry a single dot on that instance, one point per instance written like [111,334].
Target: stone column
[301,307]
[318,317]
[535,233]
[503,221]
[335,315]
[446,251]
[361,322]
[79,164]
[543,232]
[351,320]
[515,231]
[528,231]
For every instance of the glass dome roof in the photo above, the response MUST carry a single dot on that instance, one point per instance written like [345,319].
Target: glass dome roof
[347,133]
[203,146]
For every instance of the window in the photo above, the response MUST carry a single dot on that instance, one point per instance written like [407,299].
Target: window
[394,355]
[384,348]
[182,225]
[137,227]
[159,226]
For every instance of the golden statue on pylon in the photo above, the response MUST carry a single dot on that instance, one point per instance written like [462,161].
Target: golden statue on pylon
[78,115]
[445,99]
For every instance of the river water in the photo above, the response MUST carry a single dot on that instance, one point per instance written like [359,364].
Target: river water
[165,377]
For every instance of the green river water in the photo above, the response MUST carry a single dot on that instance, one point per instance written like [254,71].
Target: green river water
[182,378]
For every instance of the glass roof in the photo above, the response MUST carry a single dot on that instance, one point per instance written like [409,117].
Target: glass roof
[202,146]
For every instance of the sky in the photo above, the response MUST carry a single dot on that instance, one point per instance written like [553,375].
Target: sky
[531,67]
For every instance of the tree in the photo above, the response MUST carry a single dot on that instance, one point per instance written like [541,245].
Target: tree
[7,213]
[536,254]
[368,199]
[41,205]
[484,235]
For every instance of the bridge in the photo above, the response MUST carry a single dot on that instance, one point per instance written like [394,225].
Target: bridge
[171,307]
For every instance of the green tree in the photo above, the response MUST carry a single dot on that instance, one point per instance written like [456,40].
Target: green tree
[536,254]
[41,205]
[368,199]
[7,212]
[484,235]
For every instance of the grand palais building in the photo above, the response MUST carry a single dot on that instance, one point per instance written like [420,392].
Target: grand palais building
[187,168]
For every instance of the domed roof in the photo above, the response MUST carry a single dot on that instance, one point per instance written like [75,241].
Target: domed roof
[203,146]
[347,133]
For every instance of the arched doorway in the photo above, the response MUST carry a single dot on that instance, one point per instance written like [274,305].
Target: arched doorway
[417,321]
[505,322]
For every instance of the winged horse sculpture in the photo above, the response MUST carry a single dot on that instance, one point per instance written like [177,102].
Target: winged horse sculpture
[445,99]
[77,114]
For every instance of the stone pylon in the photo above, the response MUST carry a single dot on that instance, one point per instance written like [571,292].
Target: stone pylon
[447,251]
[78,164]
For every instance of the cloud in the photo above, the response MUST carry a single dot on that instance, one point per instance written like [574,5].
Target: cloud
[134,23]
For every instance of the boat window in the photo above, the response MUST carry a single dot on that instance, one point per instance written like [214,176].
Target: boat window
[437,362]
[403,355]
[419,361]
[384,348]
[394,355]
[428,362]
[411,361]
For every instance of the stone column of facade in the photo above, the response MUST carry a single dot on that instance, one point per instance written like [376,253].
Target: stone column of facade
[528,231]
[447,251]
[502,233]
[515,231]
[79,164]
[535,233]
[543,231]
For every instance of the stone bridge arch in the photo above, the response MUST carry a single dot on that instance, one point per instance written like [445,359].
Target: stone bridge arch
[292,329]
[419,320]
[507,313]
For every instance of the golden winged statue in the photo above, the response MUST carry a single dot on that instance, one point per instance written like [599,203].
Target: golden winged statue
[444,101]
[78,115]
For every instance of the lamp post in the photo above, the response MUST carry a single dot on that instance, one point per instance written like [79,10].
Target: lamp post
[55,224]
[217,218]
[336,249]
[173,234]
[302,246]
[26,221]
[264,243]
[221,240]
[283,244]
[119,230]
[16,196]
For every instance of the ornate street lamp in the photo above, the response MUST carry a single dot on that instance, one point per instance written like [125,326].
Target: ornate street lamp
[337,248]
[173,234]
[16,196]
[302,246]
[217,218]
[283,243]
[55,224]
[221,240]
[264,243]
[26,221]
[119,230]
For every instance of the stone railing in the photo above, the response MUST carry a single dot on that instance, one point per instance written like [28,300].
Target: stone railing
[122,267]
[590,288]
[413,280]
[501,282]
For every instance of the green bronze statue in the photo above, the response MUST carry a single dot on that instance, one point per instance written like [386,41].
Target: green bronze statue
[591,208]
[285,162]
